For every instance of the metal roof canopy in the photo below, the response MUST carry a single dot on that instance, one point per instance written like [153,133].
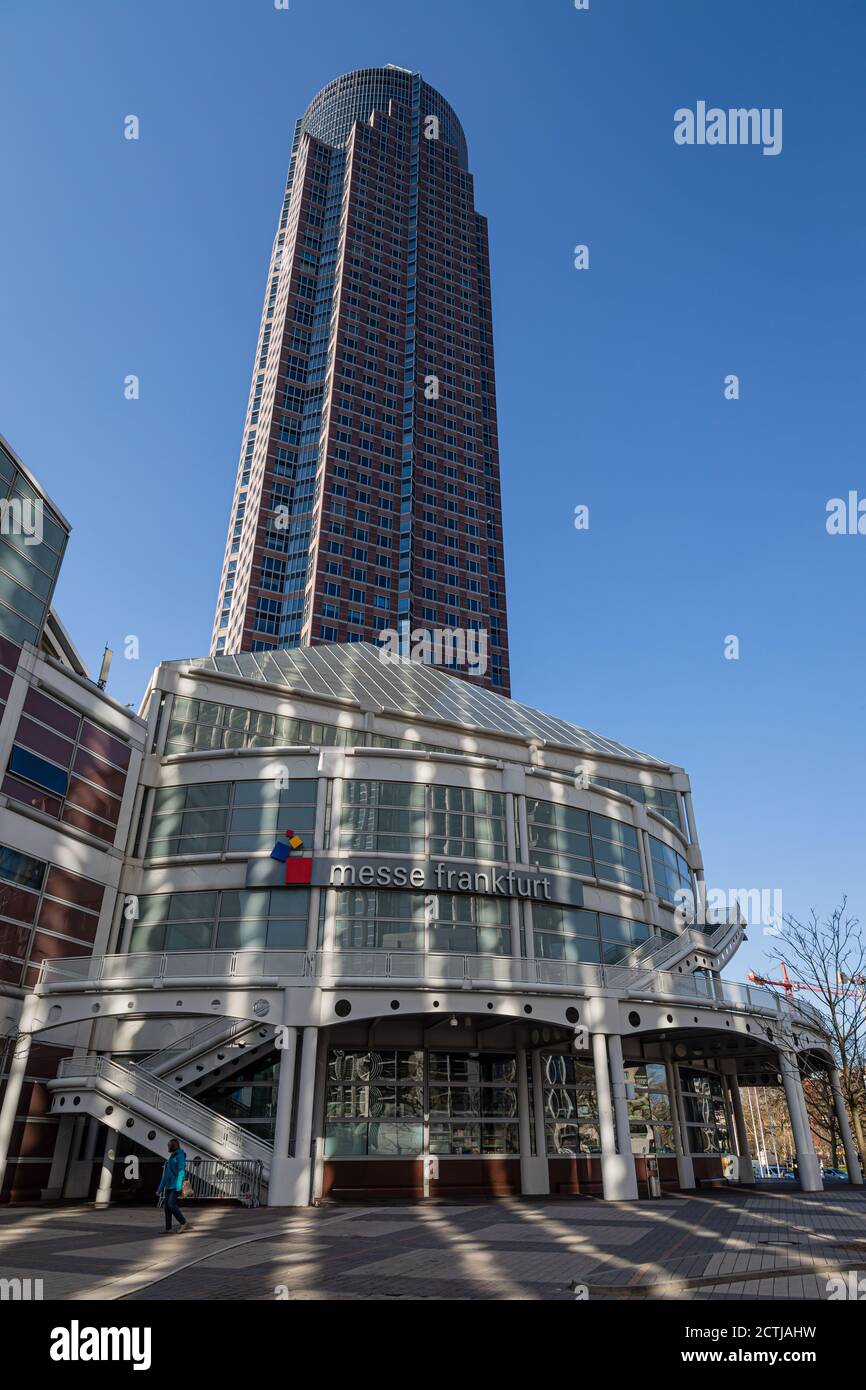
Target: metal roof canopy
[356,671]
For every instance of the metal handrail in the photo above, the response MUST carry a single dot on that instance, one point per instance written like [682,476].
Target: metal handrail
[214,1029]
[239,1180]
[133,1082]
[408,967]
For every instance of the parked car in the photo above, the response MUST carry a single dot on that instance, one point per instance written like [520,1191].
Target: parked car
[836,1174]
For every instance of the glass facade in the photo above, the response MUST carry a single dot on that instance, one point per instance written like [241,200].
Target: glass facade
[230,817]
[409,818]
[649,1112]
[67,767]
[45,912]
[374,1104]
[581,842]
[252,919]
[473,1104]
[570,1107]
[201,725]
[32,542]
[670,870]
[249,1099]
[667,803]
[705,1114]
[393,921]
[575,934]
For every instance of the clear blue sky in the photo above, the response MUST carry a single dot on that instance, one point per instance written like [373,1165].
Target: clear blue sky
[707,516]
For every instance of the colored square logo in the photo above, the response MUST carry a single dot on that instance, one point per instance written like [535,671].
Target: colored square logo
[280,852]
[299,871]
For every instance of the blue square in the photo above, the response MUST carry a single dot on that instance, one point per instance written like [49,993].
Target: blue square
[280,852]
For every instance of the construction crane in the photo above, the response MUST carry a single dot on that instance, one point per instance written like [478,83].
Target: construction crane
[847,986]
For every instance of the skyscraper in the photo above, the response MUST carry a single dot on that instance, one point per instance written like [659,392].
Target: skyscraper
[367,494]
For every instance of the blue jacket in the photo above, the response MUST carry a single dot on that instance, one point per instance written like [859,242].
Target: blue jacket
[174,1172]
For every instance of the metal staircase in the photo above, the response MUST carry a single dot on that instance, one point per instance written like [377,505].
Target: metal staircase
[150,1111]
[720,942]
[210,1052]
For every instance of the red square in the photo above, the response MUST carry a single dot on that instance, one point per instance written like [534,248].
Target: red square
[299,870]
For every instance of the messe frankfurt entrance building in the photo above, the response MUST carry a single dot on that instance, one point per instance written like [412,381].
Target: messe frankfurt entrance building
[376,930]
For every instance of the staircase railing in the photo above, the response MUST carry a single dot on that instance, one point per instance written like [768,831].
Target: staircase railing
[214,1030]
[139,1085]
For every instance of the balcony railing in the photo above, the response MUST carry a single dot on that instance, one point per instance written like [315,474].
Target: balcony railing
[412,968]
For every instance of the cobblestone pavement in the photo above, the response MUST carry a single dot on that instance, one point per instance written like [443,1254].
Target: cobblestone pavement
[727,1245]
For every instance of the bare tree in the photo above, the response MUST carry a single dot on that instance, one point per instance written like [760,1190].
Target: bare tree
[828,959]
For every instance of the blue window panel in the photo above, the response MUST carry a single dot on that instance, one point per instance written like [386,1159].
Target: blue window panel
[37,770]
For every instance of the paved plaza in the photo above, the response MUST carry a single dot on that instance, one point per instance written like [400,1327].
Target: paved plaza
[723,1245]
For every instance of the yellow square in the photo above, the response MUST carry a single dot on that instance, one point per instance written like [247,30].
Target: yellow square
[296,842]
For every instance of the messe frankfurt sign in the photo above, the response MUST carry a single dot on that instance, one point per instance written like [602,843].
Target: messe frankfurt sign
[418,875]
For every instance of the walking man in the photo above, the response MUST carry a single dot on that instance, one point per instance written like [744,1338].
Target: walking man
[171,1185]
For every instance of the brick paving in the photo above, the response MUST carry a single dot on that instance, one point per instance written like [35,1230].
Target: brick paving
[773,1245]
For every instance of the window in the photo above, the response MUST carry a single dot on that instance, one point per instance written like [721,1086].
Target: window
[219,817]
[570,1106]
[374,1104]
[383,817]
[467,824]
[670,871]
[577,935]
[649,1113]
[67,767]
[577,842]
[667,803]
[255,919]
[704,1106]
[473,1103]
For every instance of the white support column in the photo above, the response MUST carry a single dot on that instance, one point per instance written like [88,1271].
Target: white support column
[15,1081]
[103,1191]
[293,1184]
[685,1167]
[60,1160]
[744,1150]
[620,1106]
[534,1175]
[319,1117]
[511,851]
[852,1158]
[279,1181]
[523,823]
[614,1168]
[304,1116]
[807,1162]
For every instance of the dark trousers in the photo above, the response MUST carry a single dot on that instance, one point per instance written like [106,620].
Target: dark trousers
[172,1209]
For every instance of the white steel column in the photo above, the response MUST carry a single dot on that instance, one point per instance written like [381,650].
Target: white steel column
[296,1191]
[539,1173]
[620,1106]
[524,1125]
[852,1158]
[279,1181]
[103,1191]
[15,1081]
[807,1161]
[59,1162]
[614,1169]
[685,1167]
[746,1170]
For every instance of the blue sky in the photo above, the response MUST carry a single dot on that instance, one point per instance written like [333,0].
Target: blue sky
[706,515]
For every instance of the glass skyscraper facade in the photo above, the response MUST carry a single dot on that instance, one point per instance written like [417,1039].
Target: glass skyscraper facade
[367,494]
